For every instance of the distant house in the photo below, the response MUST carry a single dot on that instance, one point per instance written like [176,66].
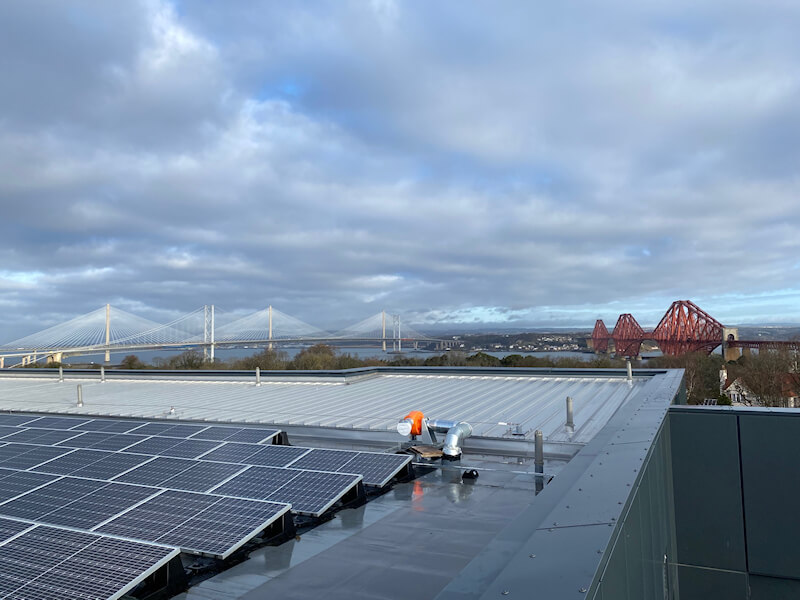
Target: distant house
[741,395]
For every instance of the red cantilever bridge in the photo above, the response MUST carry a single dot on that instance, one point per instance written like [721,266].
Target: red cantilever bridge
[684,328]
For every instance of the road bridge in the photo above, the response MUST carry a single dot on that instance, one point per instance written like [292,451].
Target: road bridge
[110,329]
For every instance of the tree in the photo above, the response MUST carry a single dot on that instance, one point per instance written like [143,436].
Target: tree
[481,359]
[132,362]
[191,359]
[268,360]
[764,374]
[318,357]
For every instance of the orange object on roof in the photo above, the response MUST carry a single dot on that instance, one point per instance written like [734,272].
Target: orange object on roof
[416,421]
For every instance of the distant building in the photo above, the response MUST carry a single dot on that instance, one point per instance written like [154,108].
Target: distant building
[741,395]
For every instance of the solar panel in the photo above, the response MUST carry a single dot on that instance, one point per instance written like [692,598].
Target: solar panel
[48,563]
[9,528]
[8,430]
[56,422]
[25,456]
[377,469]
[309,492]
[6,419]
[155,471]
[202,476]
[175,447]
[14,483]
[40,436]
[178,430]
[73,502]
[255,454]
[323,459]
[102,440]
[110,425]
[79,459]
[197,523]
[222,433]
[95,464]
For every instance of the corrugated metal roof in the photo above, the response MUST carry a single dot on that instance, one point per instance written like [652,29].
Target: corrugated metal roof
[374,402]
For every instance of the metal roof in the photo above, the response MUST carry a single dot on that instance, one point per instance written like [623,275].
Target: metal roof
[369,401]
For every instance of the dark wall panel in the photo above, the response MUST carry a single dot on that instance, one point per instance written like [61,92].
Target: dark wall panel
[771,478]
[707,491]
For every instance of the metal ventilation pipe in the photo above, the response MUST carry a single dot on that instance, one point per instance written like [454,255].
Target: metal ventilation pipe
[457,431]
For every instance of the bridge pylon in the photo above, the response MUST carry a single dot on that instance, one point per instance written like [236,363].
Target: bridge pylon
[730,334]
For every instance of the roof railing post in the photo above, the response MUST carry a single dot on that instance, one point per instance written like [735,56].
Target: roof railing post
[570,419]
[258,375]
[60,374]
[538,459]
[80,396]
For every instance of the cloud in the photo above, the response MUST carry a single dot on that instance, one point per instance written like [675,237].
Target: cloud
[539,164]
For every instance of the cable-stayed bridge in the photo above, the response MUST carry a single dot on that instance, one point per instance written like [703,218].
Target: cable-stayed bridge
[110,329]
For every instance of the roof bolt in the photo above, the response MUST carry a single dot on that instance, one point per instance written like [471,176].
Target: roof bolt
[505,592]
[580,489]
[555,523]
[599,551]
[619,502]
[567,505]
[532,555]
[583,590]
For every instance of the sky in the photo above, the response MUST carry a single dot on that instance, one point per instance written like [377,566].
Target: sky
[480,163]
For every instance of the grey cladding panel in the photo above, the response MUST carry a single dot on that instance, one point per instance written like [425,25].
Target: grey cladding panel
[708,506]
[771,477]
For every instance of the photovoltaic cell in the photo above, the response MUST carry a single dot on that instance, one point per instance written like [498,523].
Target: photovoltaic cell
[51,497]
[48,563]
[320,459]
[256,483]
[197,523]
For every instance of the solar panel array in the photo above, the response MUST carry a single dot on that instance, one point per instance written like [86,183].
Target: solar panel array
[40,562]
[90,507]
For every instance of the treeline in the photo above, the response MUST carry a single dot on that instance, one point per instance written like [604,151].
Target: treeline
[323,357]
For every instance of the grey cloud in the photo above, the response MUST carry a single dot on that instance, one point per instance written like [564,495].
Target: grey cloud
[445,160]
